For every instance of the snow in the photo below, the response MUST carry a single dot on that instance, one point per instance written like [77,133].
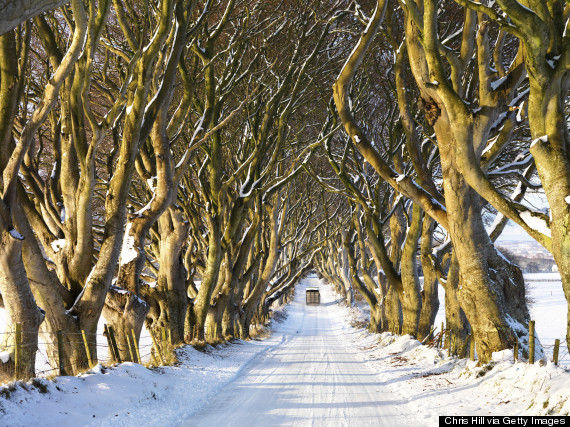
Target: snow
[4,356]
[400,177]
[128,394]
[497,83]
[129,251]
[311,377]
[315,369]
[14,233]
[151,182]
[490,145]
[57,245]
[543,138]
[536,223]
[567,199]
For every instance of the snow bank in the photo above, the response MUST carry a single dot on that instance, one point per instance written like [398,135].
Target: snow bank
[128,394]
[441,385]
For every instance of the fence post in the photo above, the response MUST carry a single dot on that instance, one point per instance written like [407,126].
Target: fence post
[556,350]
[60,353]
[463,349]
[531,342]
[114,344]
[136,344]
[131,352]
[109,343]
[472,348]
[87,351]
[165,343]
[156,346]
[18,350]
[163,334]
[516,351]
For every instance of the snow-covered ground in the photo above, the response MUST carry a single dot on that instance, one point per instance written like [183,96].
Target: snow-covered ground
[315,368]
[129,394]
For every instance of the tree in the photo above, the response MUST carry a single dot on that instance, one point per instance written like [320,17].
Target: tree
[15,13]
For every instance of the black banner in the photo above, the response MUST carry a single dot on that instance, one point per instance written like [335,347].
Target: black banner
[500,420]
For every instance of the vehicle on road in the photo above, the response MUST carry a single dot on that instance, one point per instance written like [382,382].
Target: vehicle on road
[313,296]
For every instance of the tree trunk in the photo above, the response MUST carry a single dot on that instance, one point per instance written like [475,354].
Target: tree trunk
[430,300]
[455,320]
[411,299]
[168,300]
[125,312]
[20,307]
[210,277]
[492,298]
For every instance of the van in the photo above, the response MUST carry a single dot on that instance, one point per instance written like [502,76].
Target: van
[313,296]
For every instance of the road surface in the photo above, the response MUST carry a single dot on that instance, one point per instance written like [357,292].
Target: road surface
[312,378]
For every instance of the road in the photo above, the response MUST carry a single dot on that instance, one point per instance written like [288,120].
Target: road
[312,378]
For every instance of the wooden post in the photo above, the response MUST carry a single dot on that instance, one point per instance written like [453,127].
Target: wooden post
[157,347]
[165,347]
[109,343]
[449,334]
[60,353]
[18,350]
[531,341]
[472,348]
[87,351]
[463,349]
[516,351]
[153,359]
[114,344]
[163,331]
[556,350]
[131,352]
[215,337]
[136,345]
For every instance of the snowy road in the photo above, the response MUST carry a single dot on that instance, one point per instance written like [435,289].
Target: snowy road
[313,377]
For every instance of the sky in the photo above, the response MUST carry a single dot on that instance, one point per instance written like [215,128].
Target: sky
[514,232]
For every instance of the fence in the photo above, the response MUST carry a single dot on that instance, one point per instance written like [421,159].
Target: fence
[51,358]
[445,338]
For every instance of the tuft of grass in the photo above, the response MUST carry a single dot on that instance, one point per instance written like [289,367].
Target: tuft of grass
[40,384]
[488,367]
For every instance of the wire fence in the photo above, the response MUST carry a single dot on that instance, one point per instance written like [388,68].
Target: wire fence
[69,353]
[557,352]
